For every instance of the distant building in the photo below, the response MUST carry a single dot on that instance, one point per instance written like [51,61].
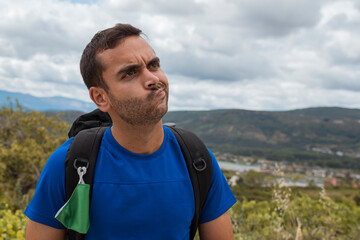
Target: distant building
[233,180]
[340,154]
[298,183]
[319,172]
[332,182]
[322,150]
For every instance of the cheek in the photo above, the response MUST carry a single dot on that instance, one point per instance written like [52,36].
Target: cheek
[124,91]
[163,78]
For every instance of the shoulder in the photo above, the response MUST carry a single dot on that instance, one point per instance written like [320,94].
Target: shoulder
[57,158]
[186,139]
[54,169]
[50,190]
[220,197]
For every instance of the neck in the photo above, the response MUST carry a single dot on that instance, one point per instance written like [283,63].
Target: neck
[138,139]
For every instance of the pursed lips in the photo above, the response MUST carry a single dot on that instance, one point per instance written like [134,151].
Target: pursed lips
[160,92]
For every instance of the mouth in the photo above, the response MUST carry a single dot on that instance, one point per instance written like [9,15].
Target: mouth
[160,93]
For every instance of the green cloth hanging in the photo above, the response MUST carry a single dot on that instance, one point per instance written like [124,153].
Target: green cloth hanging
[75,212]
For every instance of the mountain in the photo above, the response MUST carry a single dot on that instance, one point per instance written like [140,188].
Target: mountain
[324,136]
[328,126]
[328,135]
[46,103]
[329,130]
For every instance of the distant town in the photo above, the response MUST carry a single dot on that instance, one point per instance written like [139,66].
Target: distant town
[295,175]
[326,150]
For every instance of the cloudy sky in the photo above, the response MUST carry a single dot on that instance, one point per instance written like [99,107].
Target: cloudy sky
[248,54]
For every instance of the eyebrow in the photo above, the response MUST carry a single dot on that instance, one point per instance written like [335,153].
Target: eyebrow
[154,60]
[127,69]
[135,66]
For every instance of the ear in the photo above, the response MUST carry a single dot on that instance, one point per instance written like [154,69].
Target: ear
[100,98]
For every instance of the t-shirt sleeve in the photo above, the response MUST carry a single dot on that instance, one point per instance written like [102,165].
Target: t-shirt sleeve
[220,197]
[50,193]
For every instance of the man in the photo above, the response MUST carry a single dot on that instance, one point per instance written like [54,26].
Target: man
[141,188]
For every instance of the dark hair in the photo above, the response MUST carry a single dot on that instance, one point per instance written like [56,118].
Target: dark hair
[91,69]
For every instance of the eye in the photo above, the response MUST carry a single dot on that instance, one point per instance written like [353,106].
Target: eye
[129,73]
[154,65]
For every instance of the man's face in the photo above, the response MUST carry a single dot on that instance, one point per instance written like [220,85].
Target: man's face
[138,88]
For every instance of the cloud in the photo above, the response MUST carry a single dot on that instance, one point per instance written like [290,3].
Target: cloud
[270,55]
[42,27]
[214,66]
[273,94]
[157,7]
[277,18]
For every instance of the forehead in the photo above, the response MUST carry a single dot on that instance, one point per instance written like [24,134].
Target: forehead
[131,50]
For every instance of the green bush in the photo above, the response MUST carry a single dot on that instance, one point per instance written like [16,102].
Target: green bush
[12,223]
[27,139]
[282,218]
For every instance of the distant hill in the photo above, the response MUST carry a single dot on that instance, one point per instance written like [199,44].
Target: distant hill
[235,131]
[313,135]
[328,136]
[325,126]
[68,116]
[46,103]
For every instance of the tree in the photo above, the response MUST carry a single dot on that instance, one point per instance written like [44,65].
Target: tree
[253,178]
[27,139]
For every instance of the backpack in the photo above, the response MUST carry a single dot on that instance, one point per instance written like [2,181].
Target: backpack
[88,130]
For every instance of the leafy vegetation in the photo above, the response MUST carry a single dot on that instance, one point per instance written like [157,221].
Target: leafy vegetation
[314,218]
[296,217]
[12,223]
[27,138]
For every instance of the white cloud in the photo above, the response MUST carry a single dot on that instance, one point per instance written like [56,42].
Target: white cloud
[278,17]
[268,55]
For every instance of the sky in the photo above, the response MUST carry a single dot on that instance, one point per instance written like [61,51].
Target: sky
[243,54]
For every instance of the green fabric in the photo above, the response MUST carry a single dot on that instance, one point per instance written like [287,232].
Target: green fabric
[75,213]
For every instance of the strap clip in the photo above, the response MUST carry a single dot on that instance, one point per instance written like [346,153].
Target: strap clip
[81,172]
[81,165]
[81,162]
[199,164]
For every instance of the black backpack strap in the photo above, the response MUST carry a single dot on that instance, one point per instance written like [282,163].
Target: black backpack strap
[83,151]
[198,161]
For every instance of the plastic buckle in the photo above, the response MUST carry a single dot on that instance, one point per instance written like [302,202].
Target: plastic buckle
[199,164]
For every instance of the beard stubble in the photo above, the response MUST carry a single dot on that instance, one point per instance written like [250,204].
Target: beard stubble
[142,112]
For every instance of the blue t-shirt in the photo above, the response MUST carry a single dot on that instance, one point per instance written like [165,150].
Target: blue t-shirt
[134,196]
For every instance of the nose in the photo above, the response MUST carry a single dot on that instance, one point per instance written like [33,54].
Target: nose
[150,79]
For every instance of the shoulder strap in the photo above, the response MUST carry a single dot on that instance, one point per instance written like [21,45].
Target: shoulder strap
[82,152]
[198,161]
